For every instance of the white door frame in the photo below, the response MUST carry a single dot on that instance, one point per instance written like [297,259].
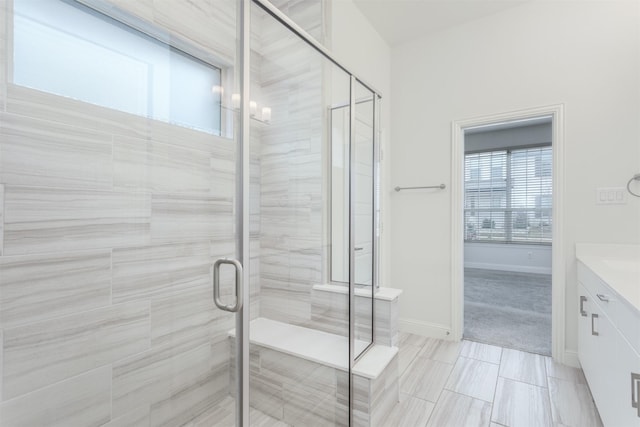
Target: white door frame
[556,112]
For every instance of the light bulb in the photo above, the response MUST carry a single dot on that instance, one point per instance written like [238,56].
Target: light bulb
[235,101]
[266,114]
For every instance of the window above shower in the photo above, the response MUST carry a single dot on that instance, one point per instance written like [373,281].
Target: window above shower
[67,49]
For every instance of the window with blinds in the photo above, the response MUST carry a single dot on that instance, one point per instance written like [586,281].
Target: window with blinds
[508,196]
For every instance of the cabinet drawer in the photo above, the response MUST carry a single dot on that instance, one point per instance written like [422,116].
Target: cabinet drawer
[622,315]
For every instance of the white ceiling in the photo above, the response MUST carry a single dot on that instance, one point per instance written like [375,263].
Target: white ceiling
[401,20]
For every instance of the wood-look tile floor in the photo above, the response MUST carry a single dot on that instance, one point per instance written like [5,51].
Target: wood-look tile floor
[469,384]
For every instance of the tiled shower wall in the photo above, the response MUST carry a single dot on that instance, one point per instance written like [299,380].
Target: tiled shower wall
[109,226]
[291,158]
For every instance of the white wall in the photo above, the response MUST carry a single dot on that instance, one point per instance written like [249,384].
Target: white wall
[584,55]
[357,45]
[520,258]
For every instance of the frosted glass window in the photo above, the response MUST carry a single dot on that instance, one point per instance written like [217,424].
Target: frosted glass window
[70,50]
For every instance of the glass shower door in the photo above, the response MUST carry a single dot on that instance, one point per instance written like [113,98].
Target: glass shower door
[117,194]
[299,326]
[362,215]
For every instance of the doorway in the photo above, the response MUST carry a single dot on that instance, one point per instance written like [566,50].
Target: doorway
[507,264]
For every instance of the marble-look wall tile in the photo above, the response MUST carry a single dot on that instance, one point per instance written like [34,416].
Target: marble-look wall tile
[363,319]
[223,414]
[142,9]
[305,406]
[3,54]
[138,417]
[295,390]
[291,175]
[154,376]
[188,314]
[144,165]
[49,154]
[84,400]
[211,25]
[1,219]
[385,392]
[33,103]
[142,272]
[189,400]
[179,218]
[43,353]
[285,302]
[384,330]
[1,364]
[39,287]
[330,312]
[305,14]
[361,403]
[217,147]
[41,220]
[394,320]
[309,391]
[266,395]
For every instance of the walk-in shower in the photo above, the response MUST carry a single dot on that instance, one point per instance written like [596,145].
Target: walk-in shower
[142,143]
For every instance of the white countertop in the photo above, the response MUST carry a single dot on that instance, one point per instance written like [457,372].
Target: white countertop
[616,265]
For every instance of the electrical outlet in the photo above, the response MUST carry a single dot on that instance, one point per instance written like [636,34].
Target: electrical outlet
[611,196]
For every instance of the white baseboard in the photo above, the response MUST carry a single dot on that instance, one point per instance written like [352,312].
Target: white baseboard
[507,267]
[427,329]
[571,358]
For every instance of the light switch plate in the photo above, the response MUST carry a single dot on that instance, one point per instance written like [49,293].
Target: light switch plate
[611,196]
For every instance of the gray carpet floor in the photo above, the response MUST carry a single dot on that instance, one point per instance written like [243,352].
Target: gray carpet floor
[508,309]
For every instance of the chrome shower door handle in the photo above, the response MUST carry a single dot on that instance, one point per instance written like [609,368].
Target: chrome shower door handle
[233,308]
[583,299]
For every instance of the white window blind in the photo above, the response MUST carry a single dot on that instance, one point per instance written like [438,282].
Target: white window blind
[508,196]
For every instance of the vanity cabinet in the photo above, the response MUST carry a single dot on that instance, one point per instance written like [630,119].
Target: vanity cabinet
[608,350]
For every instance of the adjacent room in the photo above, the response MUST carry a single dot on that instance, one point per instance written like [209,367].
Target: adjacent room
[508,194]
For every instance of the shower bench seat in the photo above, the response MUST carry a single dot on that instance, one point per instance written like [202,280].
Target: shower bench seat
[300,375]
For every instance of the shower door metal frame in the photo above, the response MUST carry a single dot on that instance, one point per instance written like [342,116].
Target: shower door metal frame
[242,216]
[242,219]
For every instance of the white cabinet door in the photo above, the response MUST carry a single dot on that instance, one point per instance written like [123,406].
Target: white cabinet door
[621,363]
[608,362]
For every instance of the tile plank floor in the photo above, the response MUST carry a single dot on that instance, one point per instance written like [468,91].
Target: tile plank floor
[469,384]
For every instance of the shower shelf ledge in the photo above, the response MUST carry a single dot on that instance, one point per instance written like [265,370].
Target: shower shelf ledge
[386,294]
[311,344]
